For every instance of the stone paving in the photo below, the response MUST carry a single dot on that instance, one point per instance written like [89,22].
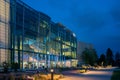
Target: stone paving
[101,74]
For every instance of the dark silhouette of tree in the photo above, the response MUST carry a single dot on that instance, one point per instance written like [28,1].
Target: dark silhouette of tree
[93,56]
[89,56]
[5,67]
[117,59]
[85,56]
[102,60]
[15,66]
[117,56]
[109,57]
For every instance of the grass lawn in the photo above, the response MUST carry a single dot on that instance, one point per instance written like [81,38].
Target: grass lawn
[116,75]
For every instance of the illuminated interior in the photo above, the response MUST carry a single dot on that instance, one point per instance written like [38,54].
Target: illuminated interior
[31,39]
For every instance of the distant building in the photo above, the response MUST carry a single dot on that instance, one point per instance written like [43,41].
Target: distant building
[81,46]
[31,39]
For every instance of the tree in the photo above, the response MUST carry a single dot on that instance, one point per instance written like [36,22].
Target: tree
[102,60]
[109,57]
[89,56]
[85,56]
[117,59]
[117,56]
[93,56]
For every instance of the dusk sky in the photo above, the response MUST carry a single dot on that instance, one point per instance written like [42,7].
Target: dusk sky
[93,21]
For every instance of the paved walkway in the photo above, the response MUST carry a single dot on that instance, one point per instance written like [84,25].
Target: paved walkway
[102,74]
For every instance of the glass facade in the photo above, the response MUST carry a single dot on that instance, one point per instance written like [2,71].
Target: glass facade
[31,39]
[4,31]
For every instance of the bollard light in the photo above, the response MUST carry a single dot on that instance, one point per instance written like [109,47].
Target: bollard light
[52,70]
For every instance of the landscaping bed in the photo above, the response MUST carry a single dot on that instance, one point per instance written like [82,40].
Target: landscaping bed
[25,76]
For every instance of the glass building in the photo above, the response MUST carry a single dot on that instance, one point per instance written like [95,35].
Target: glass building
[31,39]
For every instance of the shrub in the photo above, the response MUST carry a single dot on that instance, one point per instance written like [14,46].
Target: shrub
[82,71]
[5,66]
[15,66]
[22,77]
[11,76]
